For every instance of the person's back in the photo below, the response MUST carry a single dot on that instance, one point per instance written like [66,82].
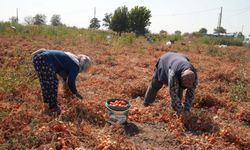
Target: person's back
[62,63]
[174,61]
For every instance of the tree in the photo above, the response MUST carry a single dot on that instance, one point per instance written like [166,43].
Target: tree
[163,32]
[29,20]
[240,35]
[39,19]
[13,19]
[220,30]
[56,20]
[139,19]
[94,23]
[178,32]
[203,31]
[120,20]
[107,20]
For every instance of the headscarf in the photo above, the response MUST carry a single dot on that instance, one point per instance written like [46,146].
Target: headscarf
[187,78]
[38,52]
[84,62]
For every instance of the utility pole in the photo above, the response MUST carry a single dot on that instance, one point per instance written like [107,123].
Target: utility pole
[94,12]
[242,28]
[220,17]
[17,15]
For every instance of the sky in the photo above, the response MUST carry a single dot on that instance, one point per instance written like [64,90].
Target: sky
[169,15]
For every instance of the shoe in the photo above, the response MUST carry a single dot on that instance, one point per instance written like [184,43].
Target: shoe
[55,111]
[146,104]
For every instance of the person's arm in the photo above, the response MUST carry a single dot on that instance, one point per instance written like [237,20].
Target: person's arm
[189,99]
[71,82]
[174,86]
[190,94]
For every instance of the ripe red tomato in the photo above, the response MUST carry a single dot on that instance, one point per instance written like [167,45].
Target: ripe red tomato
[118,103]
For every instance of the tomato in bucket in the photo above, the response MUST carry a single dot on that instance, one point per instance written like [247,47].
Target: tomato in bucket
[117,110]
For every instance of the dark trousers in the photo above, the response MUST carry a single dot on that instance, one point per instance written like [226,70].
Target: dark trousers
[48,80]
[153,88]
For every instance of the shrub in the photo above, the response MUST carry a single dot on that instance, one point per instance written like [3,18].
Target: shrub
[124,40]
[221,41]
[164,37]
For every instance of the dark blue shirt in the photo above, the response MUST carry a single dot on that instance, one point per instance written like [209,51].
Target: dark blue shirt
[174,61]
[168,71]
[64,65]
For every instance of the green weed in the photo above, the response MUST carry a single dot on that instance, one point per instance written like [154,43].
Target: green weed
[221,41]
[241,88]
[124,40]
[215,51]
[20,72]
[247,45]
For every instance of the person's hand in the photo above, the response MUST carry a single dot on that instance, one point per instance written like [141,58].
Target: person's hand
[185,116]
[78,95]
[67,94]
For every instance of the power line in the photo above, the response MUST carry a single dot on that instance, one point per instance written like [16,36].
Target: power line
[242,12]
[240,9]
[189,13]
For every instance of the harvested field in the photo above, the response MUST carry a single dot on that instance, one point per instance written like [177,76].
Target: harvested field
[220,112]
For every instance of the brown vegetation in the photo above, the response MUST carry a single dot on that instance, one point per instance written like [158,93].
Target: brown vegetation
[219,120]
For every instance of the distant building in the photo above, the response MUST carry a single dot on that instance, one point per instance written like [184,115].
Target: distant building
[230,35]
[247,39]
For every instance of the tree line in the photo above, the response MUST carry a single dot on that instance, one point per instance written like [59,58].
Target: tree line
[39,19]
[121,20]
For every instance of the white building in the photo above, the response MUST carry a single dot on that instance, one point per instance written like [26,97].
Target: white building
[247,39]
